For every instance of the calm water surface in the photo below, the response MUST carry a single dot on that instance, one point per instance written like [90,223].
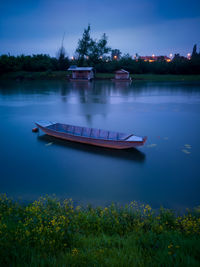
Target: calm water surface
[163,172]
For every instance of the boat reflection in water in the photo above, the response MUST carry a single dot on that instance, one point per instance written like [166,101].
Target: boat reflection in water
[129,154]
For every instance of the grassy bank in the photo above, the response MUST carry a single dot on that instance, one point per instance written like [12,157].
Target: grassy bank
[24,75]
[63,75]
[154,77]
[49,233]
[166,77]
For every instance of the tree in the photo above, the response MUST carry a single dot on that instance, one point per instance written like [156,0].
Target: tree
[127,56]
[98,49]
[63,60]
[84,45]
[115,54]
[179,59]
[91,50]
[194,52]
[102,46]
[195,55]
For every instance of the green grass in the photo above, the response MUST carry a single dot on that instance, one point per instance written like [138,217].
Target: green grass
[165,77]
[102,76]
[154,77]
[45,75]
[49,233]
[62,75]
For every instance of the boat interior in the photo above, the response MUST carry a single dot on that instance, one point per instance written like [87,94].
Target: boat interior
[90,132]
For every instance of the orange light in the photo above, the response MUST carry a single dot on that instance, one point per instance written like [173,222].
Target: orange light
[168,60]
[151,60]
[115,57]
[72,58]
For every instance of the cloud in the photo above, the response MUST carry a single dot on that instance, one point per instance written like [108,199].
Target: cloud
[142,26]
[174,36]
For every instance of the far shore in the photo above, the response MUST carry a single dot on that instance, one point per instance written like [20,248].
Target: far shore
[64,75]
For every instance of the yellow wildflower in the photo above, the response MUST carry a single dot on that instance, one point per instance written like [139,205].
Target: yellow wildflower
[74,251]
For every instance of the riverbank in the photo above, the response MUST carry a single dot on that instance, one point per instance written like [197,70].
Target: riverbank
[154,77]
[63,75]
[49,233]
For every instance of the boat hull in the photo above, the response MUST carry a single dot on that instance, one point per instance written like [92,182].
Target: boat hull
[92,141]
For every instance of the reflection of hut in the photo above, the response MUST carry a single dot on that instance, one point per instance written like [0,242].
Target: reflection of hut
[119,85]
[81,85]
[122,75]
[81,73]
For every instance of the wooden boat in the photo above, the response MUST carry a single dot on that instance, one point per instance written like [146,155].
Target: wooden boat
[91,136]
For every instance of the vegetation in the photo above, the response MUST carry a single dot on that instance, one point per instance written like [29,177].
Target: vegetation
[63,75]
[38,63]
[98,54]
[49,233]
[39,75]
[153,77]
[91,51]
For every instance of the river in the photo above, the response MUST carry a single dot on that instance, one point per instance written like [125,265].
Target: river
[164,172]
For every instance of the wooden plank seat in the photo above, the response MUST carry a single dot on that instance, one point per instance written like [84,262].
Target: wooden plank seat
[78,130]
[94,133]
[69,129]
[103,134]
[57,127]
[86,132]
[112,136]
[63,127]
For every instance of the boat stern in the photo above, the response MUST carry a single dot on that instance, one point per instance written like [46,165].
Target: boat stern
[137,140]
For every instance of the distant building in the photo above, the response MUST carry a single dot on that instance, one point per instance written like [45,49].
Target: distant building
[155,58]
[81,73]
[122,75]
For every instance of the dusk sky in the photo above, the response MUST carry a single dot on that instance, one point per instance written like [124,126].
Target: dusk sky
[133,26]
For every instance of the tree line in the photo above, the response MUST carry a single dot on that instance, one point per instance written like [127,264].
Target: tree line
[98,54]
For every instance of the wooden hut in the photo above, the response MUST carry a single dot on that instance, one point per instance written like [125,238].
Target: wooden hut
[81,73]
[122,75]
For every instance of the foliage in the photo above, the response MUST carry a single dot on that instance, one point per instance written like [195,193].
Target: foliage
[38,63]
[49,233]
[97,53]
[90,51]
[32,63]
[116,54]
[98,49]
[62,60]
[84,45]
[194,52]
